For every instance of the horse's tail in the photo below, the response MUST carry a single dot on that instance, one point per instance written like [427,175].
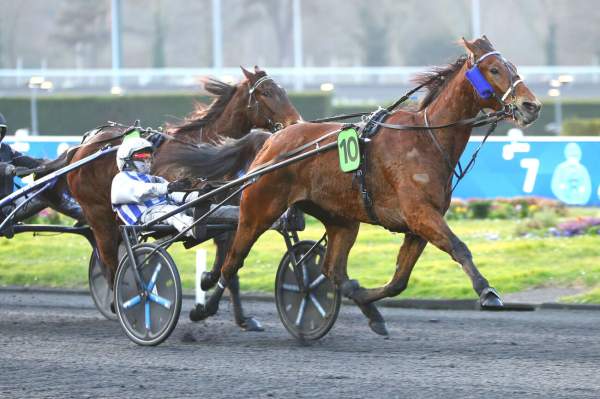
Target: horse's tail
[214,160]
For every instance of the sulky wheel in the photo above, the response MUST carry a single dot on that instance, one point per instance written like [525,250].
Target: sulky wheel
[307,302]
[148,310]
[101,292]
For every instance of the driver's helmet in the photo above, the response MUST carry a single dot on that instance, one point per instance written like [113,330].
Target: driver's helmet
[3,127]
[135,154]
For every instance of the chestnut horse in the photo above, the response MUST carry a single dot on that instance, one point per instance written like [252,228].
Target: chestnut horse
[409,178]
[256,102]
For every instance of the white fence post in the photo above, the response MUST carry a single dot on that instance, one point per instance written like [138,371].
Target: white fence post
[200,268]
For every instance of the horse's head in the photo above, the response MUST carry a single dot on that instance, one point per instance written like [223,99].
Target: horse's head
[268,104]
[498,84]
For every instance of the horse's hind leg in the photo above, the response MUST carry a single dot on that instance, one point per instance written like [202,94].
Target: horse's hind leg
[107,240]
[429,224]
[246,323]
[340,239]
[409,253]
[222,242]
[210,279]
[256,217]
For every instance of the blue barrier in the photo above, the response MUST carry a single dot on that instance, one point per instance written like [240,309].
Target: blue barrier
[48,147]
[563,168]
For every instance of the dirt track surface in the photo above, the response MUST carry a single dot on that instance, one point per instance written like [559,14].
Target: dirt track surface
[54,345]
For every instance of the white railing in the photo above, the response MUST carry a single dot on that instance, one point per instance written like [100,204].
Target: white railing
[296,78]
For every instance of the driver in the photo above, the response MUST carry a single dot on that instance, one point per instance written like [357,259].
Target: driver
[137,196]
[10,160]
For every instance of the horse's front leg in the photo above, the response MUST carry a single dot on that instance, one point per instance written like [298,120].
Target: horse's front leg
[430,224]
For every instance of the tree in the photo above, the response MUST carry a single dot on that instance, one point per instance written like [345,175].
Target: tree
[158,39]
[85,25]
[11,17]
[545,26]
[374,35]
[433,48]
[279,14]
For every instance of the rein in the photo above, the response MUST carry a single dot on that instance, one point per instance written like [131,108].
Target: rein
[473,122]
[129,129]
[490,119]
[375,121]
[462,172]
[487,119]
[388,109]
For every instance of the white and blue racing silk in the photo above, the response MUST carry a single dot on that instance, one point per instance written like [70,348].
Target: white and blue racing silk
[134,193]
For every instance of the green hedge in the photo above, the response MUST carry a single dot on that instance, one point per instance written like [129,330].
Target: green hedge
[570,109]
[581,127]
[312,105]
[73,115]
[588,108]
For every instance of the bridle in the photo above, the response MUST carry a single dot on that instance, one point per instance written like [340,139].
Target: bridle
[253,103]
[485,90]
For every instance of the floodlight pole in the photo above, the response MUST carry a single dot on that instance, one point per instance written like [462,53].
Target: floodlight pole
[297,25]
[475,19]
[217,34]
[115,35]
[33,109]
[558,114]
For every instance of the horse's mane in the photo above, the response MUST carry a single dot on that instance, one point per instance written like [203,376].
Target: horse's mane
[203,115]
[437,78]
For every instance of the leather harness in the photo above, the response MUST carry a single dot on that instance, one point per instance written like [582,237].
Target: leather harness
[368,130]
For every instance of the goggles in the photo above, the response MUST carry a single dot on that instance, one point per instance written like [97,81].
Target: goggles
[141,156]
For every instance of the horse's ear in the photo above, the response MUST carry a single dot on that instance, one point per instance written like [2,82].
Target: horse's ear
[259,73]
[472,48]
[249,75]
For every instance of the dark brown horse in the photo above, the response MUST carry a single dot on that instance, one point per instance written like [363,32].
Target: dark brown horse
[409,178]
[256,102]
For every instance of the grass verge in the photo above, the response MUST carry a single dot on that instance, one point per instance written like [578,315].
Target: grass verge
[510,263]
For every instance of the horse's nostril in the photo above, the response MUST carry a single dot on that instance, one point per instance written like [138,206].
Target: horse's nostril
[531,107]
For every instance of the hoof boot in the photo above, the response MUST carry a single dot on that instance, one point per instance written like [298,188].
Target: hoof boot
[349,288]
[250,324]
[206,281]
[490,300]
[379,328]
[199,313]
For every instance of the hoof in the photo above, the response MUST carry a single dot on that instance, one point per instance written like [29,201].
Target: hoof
[379,328]
[199,313]
[349,288]
[206,281]
[490,300]
[250,324]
